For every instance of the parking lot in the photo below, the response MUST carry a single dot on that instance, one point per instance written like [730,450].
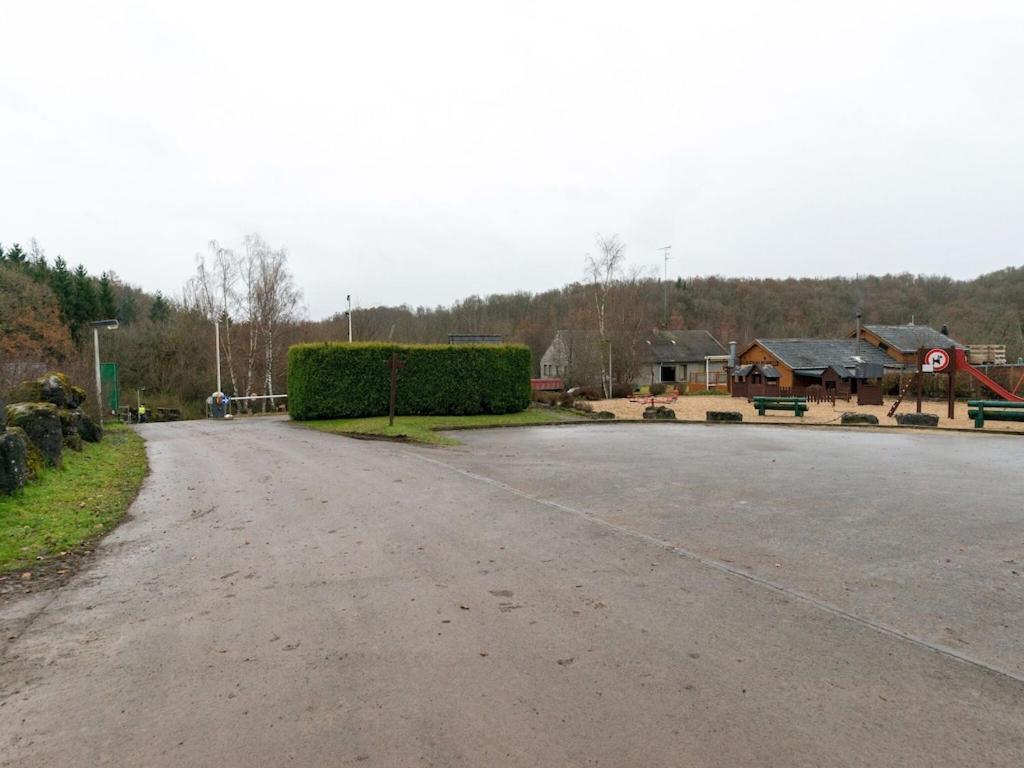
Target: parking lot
[620,595]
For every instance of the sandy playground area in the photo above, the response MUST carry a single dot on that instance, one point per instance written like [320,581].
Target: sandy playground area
[694,408]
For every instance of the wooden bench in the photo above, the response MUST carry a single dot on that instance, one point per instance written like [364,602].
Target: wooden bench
[168,414]
[996,410]
[798,405]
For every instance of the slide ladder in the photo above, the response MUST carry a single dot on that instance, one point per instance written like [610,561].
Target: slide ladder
[903,392]
[994,386]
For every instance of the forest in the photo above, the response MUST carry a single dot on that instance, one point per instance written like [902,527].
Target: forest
[165,342]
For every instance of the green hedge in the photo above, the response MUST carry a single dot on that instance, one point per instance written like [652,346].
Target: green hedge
[334,381]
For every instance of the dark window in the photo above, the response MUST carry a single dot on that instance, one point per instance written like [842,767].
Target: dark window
[668,373]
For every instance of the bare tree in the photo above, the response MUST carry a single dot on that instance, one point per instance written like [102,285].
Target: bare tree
[602,272]
[277,301]
[212,292]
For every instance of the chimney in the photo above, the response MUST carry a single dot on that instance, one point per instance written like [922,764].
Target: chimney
[945,330]
[856,347]
[732,354]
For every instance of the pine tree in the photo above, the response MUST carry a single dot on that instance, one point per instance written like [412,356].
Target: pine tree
[105,298]
[84,305]
[16,256]
[160,309]
[127,311]
[60,282]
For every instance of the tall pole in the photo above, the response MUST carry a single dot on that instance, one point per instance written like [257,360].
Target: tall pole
[99,382]
[216,326]
[348,298]
[664,299]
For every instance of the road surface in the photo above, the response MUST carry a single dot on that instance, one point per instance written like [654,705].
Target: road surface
[624,595]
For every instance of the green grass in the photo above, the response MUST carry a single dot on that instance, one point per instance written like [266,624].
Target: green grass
[65,507]
[424,429]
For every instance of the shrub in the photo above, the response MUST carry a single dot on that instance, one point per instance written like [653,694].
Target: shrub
[330,381]
[622,390]
[590,393]
[658,389]
[547,398]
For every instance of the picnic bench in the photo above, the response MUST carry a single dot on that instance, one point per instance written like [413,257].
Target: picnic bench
[798,405]
[996,410]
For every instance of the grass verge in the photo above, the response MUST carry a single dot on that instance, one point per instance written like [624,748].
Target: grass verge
[65,507]
[424,429]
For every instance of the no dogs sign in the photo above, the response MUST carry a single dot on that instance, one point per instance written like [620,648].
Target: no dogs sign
[937,360]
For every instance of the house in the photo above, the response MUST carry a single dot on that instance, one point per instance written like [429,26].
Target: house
[902,342]
[574,356]
[660,357]
[830,363]
[669,357]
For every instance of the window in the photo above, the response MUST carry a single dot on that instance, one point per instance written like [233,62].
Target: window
[668,373]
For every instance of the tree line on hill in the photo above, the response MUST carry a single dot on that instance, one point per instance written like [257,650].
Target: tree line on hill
[167,344]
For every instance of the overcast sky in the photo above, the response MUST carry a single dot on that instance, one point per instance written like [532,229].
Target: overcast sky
[422,152]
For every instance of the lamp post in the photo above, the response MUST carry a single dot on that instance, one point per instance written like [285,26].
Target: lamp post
[110,325]
[348,298]
[216,341]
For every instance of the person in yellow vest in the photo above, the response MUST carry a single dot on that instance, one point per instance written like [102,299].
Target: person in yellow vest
[142,413]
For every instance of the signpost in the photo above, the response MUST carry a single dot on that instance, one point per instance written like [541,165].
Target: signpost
[937,360]
[395,364]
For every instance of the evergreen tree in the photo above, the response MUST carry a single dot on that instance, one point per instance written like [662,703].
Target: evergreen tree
[84,305]
[3,255]
[127,311]
[60,282]
[16,256]
[160,309]
[105,298]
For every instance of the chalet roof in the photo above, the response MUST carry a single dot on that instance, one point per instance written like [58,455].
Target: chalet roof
[679,347]
[767,370]
[812,356]
[910,338]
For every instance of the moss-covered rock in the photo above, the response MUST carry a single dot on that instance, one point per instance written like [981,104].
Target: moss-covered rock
[53,387]
[855,418]
[917,419]
[42,425]
[89,430]
[723,416]
[659,413]
[14,472]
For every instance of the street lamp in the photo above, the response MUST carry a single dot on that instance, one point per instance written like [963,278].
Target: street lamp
[110,325]
[138,395]
[348,298]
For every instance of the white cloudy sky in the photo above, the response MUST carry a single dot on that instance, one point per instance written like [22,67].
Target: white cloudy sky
[420,152]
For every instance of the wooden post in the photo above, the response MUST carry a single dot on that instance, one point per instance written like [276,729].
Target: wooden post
[395,365]
[952,383]
[920,377]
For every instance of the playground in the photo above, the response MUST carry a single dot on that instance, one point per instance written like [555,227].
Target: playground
[695,408]
[999,409]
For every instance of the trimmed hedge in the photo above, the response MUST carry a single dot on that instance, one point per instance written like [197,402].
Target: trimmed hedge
[335,381]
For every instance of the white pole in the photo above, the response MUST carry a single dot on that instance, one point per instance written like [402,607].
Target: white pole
[216,326]
[99,382]
[349,300]
[707,374]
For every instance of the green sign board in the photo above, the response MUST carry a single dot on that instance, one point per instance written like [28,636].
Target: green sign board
[111,389]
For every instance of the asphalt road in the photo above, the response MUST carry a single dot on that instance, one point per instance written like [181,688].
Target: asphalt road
[618,595]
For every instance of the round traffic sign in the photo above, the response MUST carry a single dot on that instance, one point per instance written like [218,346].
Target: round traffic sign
[938,359]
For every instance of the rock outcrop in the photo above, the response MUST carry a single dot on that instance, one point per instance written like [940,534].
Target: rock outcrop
[13,459]
[42,426]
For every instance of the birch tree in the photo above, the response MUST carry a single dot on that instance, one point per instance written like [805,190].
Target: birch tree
[601,272]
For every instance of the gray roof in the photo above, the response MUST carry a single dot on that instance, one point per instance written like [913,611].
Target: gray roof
[813,356]
[910,338]
[767,370]
[679,347]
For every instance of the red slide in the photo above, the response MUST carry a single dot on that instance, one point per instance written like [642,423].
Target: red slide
[1003,392]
